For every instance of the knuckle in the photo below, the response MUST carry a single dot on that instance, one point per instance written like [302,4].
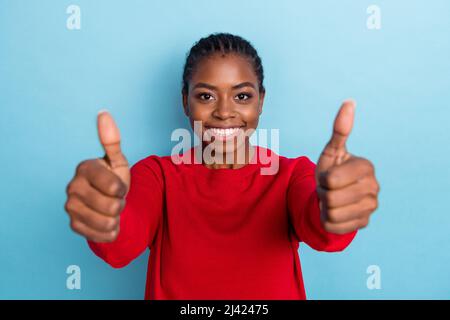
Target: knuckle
[364,222]
[69,206]
[114,187]
[377,187]
[333,215]
[334,230]
[374,186]
[329,197]
[81,167]
[331,179]
[111,236]
[74,188]
[115,207]
[110,224]
[329,227]
[371,203]
[369,165]
[324,178]
[372,192]
[374,204]
[69,188]
[116,225]
[74,225]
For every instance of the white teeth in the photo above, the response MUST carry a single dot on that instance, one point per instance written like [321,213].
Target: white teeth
[224,132]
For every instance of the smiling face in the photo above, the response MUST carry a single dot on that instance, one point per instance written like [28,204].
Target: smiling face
[224,95]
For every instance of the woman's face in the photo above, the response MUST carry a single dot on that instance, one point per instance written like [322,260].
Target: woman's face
[224,96]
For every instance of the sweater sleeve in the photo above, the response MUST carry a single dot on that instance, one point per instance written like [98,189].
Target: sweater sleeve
[140,218]
[304,211]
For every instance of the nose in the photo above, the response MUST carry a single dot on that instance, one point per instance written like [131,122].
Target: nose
[223,110]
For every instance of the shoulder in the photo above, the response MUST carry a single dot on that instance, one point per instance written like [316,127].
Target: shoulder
[150,167]
[302,159]
[293,166]
[265,157]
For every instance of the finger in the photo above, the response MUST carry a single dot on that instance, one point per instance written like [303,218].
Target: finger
[109,136]
[91,234]
[346,227]
[95,220]
[94,199]
[102,179]
[343,124]
[347,173]
[358,210]
[349,194]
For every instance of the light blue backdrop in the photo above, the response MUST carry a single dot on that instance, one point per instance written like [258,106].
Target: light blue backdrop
[128,57]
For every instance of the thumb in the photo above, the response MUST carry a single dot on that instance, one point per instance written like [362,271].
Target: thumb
[335,151]
[343,124]
[109,136]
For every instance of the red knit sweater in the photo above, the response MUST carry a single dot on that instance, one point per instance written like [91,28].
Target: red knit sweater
[221,233]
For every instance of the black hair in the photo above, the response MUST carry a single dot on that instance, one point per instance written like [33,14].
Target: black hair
[221,43]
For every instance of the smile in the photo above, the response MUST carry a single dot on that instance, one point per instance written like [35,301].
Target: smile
[223,133]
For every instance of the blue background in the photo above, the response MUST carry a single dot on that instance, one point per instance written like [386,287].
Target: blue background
[128,57]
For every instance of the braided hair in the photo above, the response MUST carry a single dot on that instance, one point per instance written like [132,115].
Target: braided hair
[221,43]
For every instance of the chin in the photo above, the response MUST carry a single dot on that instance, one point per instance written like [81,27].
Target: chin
[226,147]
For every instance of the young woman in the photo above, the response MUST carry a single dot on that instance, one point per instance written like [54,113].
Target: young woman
[221,229]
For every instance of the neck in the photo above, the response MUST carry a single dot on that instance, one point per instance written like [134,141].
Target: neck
[230,161]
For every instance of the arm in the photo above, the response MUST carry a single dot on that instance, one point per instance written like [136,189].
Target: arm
[139,219]
[304,211]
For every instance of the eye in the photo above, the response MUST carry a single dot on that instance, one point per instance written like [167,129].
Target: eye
[205,96]
[243,96]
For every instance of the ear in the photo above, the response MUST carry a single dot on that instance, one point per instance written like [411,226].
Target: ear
[261,101]
[185,103]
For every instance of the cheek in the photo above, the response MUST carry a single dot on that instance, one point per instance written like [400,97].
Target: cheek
[250,115]
[199,112]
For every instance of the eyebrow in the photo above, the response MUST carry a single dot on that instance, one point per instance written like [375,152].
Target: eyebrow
[211,87]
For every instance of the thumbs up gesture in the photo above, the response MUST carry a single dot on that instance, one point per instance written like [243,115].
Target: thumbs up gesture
[346,184]
[96,194]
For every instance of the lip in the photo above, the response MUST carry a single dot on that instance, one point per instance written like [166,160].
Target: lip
[224,138]
[223,127]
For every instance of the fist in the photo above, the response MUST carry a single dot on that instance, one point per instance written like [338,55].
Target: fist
[346,185]
[96,194]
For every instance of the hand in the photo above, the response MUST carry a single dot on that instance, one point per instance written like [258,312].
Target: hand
[96,194]
[346,184]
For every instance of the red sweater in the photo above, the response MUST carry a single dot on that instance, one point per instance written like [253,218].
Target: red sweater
[220,233]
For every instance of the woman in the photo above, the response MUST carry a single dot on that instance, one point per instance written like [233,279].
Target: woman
[218,228]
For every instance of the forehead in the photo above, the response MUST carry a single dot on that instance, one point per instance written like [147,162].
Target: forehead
[224,69]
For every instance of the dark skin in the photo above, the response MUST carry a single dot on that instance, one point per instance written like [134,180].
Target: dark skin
[223,92]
